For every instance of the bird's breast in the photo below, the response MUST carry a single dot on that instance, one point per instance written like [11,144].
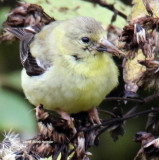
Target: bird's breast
[73,87]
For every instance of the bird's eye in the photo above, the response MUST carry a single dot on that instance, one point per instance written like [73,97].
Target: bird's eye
[85,39]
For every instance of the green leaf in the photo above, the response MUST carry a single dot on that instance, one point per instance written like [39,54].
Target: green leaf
[11,80]
[62,9]
[3,14]
[16,113]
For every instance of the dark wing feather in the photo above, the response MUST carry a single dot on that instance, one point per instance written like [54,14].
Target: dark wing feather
[28,61]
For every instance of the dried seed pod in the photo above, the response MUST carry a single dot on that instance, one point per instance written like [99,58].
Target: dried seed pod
[141,43]
[133,72]
[25,15]
[149,146]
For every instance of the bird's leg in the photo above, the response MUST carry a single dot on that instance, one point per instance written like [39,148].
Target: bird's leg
[93,115]
[69,120]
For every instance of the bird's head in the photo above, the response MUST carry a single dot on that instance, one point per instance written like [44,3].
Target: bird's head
[84,36]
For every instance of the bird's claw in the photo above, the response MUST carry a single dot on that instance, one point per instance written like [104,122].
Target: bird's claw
[70,120]
[93,116]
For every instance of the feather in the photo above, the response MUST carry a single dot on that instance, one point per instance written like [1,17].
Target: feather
[29,62]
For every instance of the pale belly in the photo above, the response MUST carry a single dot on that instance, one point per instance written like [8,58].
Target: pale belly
[68,92]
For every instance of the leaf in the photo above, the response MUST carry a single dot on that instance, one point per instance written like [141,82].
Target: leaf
[3,14]
[62,9]
[15,113]
[117,130]
[11,80]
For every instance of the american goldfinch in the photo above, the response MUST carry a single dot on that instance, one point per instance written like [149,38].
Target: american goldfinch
[67,65]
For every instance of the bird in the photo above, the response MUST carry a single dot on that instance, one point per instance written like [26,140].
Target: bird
[67,65]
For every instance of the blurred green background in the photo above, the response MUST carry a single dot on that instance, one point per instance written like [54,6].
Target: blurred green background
[15,111]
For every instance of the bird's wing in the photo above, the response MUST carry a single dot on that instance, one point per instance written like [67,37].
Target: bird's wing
[29,62]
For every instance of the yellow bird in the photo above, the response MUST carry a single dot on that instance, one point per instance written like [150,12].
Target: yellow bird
[67,65]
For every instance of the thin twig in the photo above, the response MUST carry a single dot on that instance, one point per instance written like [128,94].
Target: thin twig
[151,98]
[107,112]
[112,122]
[108,123]
[123,99]
[109,6]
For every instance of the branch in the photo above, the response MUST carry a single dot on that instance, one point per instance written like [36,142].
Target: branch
[130,114]
[123,99]
[109,6]
[112,122]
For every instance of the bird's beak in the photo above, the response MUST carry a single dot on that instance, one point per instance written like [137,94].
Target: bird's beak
[107,46]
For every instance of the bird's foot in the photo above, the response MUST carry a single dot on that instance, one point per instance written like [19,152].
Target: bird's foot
[93,115]
[70,120]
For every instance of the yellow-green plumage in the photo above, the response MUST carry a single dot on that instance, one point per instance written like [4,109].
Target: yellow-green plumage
[69,84]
